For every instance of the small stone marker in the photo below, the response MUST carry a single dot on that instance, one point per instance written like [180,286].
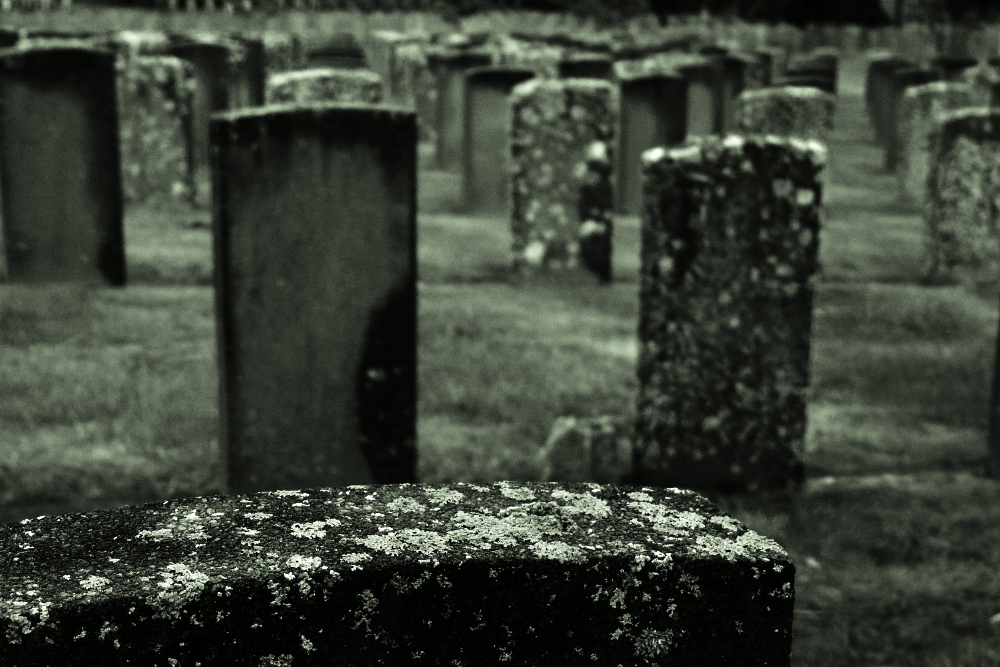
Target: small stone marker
[486,178]
[786,111]
[340,51]
[653,113]
[962,190]
[435,574]
[729,251]
[918,113]
[878,89]
[154,112]
[325,84]
[596,449]
[561,131]
[449,70]
[900,80]
[316,294]
[60,167]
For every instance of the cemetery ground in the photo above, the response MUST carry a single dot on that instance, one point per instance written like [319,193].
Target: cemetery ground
[109,397]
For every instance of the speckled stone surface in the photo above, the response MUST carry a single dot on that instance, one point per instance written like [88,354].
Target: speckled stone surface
[324,84]
[530,574]
[730,239]
[561,131]
[962,190]
[786,111]
[918,113]
[154,114]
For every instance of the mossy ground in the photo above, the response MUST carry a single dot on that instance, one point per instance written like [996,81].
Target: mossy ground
[108,397]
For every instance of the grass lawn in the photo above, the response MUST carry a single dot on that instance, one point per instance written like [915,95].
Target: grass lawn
[109,397]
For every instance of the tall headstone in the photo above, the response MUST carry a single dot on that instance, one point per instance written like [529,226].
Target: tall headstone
[562,132]
[315,274]
[963,189]
[730,239]
[248,73]
[486,174]
[340,50]
[60,171]
[900,80]
[703,113]
[653,113]
[449,70]
[878,91]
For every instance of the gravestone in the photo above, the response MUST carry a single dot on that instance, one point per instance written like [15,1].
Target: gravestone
[962,193]
[950,67]
[900,80]
[731,73]
[486,177]
[248,73]
[878,91]
[729,253]
[60,167]
[324,84]
[154,112]
[436,574]
[918,113]
[653,113]
[562,132]
[596,449]
[787,111]
[315,239]
[449,70]
[340,51]
[210,61]
[703,113]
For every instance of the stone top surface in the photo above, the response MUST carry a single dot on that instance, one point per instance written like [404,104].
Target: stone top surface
[324,73]
[531,86]
[703,149]
[788,91]
[166,553]
[935,88]
[968,112]
[313,109]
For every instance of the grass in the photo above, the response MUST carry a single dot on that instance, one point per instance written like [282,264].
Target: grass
[109,396]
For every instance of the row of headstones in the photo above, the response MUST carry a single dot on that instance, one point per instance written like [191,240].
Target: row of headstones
[935,124]
[314,238]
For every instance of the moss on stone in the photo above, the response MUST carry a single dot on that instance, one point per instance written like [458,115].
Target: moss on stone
[324,84]
[530,573]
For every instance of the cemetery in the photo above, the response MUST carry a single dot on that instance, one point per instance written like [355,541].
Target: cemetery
[517,338]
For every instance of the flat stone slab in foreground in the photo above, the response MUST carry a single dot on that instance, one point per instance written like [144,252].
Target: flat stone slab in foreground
[525,574]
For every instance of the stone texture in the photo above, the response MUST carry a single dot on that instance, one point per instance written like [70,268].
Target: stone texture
[899,80]
[431,574]
[561,131]
[155,94]
[918,116]
[324,84]
[596,449]
[962,190]
[786,111]
[729,253]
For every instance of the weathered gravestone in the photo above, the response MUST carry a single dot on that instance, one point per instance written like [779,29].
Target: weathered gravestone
[315,274]
[899,81]
[341,51]
[918,113]
[324,84]
[985,81]
[436,574]
[786,111]
[449,70]
[878,88]
[60,167]
[486,176]
[962,193]
[248,72]
[704,114]
[653,113]
[155,96]
[595,449]
[729,252]
[562,131]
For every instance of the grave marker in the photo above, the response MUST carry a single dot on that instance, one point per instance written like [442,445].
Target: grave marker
[248,73]
[900,80]
[486,176]
[586,66]
[729,252]
[340,51]
[314,239]
[703,114]
[787,111]
[60,167]
[653,113]
[437,574]
[449,72]
[324,84]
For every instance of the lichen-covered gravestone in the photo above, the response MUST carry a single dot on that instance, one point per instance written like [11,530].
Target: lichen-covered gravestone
[570,575]
[60,165]
[918,113]
[787,111]
[315,246]
[729,252]
[963,188]
[154,111]
[561,134]
[324,84]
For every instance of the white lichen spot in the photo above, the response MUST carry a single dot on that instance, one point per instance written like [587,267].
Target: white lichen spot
[559,551]
[783,188]
[654,644]
[311,530]
[95,584]
[592,227]
[180,585]
[355,557]
[517,493]
[534,252]
[640,496]
[583,503]
[405,505]
[727,522]
[653,155]
[300,494]
[665,264]
[270,660]
[733,141]
[805,196]
[303,563]
[667,520]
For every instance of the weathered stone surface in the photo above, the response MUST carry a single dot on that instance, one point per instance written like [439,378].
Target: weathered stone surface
[985,81]
[324,84]
[918,113]
[729,253]
[60,165]
[561,130]
[597,449]
[962,190]
[786,111]
[429,574]
[899,81]
[878,90]
[155,95]
[449,68]
[282,52]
